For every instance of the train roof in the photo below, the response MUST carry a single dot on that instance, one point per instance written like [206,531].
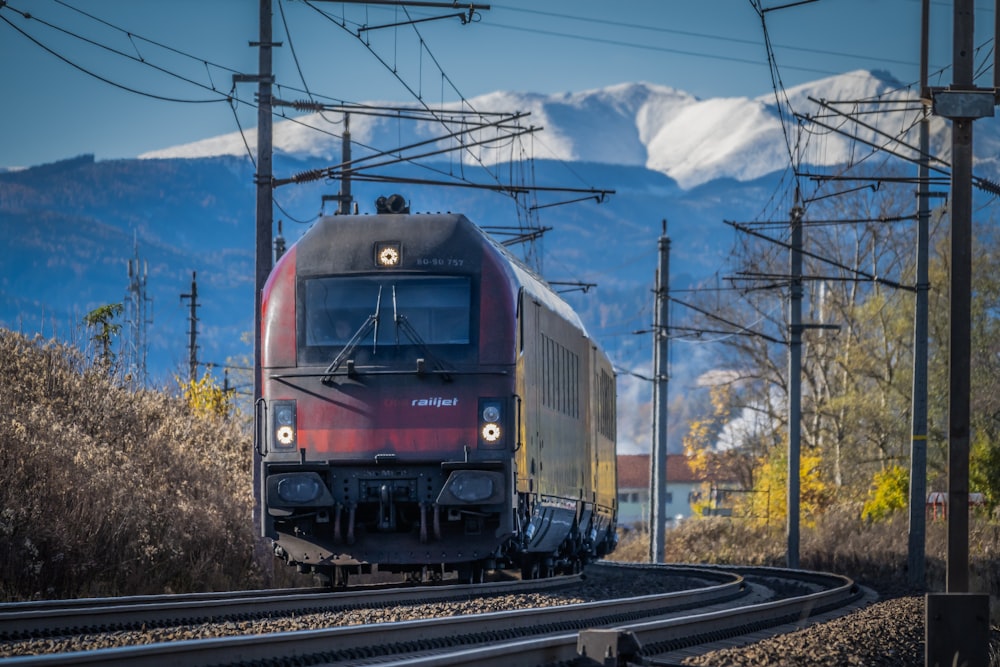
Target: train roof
[422,232]
[537,286]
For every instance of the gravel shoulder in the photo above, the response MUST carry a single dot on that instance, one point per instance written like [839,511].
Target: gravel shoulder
[888,632]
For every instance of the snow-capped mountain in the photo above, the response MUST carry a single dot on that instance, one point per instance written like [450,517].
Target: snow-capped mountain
[692,141]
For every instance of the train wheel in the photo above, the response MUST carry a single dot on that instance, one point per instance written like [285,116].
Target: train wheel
[472,573]
[340,577]
[323,577]
[530,570]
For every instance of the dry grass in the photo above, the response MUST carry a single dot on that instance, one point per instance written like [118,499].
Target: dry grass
[109,492]
[871,553]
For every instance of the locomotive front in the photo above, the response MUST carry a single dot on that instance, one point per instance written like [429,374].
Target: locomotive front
[387,423]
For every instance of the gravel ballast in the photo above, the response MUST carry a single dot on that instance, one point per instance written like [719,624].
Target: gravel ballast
[887,632]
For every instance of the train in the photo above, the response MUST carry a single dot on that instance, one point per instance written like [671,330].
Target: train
[429,407]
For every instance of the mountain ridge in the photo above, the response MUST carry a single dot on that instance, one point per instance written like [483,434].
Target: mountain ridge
[689,139]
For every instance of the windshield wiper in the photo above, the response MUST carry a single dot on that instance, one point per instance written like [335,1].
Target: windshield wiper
[411,333]
[370,324]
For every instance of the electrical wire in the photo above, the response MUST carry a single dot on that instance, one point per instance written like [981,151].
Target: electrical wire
[99,77]
[603,23]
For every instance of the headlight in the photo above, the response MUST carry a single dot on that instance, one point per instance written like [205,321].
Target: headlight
[284,414]
[472,486]
[388,254]
[491,421]
[283,426]
[298,488]
[491,433]
[287,490]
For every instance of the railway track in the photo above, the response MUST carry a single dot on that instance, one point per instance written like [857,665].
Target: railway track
[716,602]
[53,618]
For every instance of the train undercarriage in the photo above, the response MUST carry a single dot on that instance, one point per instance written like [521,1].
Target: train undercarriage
[399,520]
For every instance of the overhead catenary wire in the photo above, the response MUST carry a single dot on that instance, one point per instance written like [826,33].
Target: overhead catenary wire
[99,77]
[392,70]
[805,253]
[604,23]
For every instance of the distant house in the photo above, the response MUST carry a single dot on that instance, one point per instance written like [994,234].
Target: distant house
[937,503]
[683,488]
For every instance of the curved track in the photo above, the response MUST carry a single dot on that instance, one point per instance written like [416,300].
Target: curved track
[52,618]
[725,602]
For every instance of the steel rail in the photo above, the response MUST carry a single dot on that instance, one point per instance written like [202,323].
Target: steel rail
[51,618]
[652,638]
[658,637]
[40,605]
[352,644]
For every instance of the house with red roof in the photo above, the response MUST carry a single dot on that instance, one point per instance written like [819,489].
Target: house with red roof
[684,487]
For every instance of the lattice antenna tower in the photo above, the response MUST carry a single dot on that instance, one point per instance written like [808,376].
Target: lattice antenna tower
[192,298]
[138,314]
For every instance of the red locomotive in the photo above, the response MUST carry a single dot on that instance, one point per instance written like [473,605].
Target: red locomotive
[429,405]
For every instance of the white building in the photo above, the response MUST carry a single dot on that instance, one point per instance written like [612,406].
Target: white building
[683,488]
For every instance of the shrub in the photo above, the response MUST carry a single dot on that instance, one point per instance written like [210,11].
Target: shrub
[111,492]
[889,493]
[205,397]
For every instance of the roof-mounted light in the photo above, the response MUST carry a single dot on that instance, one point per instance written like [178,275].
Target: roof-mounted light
[388,254]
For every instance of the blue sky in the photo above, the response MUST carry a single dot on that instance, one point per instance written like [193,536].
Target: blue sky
[91,84]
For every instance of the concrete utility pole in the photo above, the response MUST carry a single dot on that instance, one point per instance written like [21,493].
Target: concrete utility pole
[794,383]
[917,533]
[264,221]
[918,411]
[263,178]
[345,169]
[957,622]
[957,104]
[193,329]
[661,369]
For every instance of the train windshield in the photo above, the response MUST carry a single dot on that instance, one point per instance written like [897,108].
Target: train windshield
[387,310]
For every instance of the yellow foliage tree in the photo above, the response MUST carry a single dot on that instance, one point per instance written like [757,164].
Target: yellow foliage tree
[769,500]
[700,441]
[890,492]
[732,463]
[205,397]
[699,445]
